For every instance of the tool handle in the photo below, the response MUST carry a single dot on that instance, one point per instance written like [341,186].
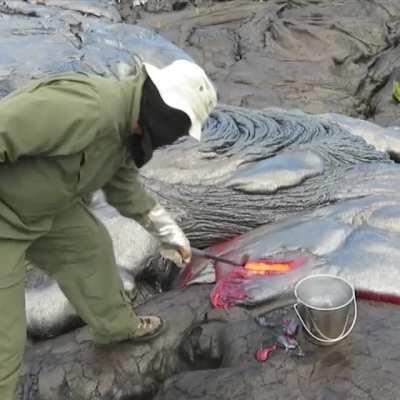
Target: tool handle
[202,253]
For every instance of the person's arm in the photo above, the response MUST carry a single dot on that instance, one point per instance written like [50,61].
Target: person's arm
[54,118]
[126,193]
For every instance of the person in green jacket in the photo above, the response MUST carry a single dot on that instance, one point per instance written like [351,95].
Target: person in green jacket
[61,138]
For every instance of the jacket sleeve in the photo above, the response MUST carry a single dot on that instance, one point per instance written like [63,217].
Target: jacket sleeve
[127,194]
[50,119]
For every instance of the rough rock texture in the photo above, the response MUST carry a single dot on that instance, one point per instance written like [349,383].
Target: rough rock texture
[363,367]
[72,367]
[320,56]
[36,40]
[356,239]
[317,55]
[259,166]
[211,354]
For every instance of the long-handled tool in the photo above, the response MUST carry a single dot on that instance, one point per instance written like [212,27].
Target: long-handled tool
[202,253]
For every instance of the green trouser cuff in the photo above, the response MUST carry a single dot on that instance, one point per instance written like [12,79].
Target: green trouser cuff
[127,331]
[122,327]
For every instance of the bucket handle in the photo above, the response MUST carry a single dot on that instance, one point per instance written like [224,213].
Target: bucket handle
[339,338]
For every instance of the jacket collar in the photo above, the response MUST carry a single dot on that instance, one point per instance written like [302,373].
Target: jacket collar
[132,88]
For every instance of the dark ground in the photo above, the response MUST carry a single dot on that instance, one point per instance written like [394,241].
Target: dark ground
[209,354]
[316,55]
[319,56]
[362,367]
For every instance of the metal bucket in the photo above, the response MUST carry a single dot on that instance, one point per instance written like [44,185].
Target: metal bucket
[324,304]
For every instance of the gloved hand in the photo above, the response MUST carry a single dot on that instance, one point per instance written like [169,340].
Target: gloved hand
[174,244]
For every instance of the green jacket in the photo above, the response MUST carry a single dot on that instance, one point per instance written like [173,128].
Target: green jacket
[63,137]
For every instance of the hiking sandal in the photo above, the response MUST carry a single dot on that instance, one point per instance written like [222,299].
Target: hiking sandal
[149,328]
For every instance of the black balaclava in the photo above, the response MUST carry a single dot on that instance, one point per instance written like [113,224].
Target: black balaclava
[162,125]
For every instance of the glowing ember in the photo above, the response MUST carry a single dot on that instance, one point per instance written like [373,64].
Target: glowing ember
[266,267]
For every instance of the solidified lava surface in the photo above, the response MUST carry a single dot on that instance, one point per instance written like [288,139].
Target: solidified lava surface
[318,56]
[315,55]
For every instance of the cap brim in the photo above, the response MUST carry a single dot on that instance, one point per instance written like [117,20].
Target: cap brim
[156,76]
[195,131]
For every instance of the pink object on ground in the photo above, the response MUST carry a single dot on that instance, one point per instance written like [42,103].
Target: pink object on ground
[263,353]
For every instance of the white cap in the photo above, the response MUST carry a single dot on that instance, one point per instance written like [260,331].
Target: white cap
[185,86]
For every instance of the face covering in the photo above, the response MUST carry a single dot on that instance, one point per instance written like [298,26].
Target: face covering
[162,125]
[139,150]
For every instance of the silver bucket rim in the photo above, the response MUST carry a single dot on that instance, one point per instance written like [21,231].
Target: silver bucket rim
[324,276]
[346,330]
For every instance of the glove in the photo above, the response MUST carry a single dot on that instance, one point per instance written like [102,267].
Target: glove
[174,244]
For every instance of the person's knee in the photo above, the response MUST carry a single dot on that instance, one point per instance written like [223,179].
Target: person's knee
[10,365]
[8,386]
[92,247]
[12,337]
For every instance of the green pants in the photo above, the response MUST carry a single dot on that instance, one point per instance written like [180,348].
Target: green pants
[76,250]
